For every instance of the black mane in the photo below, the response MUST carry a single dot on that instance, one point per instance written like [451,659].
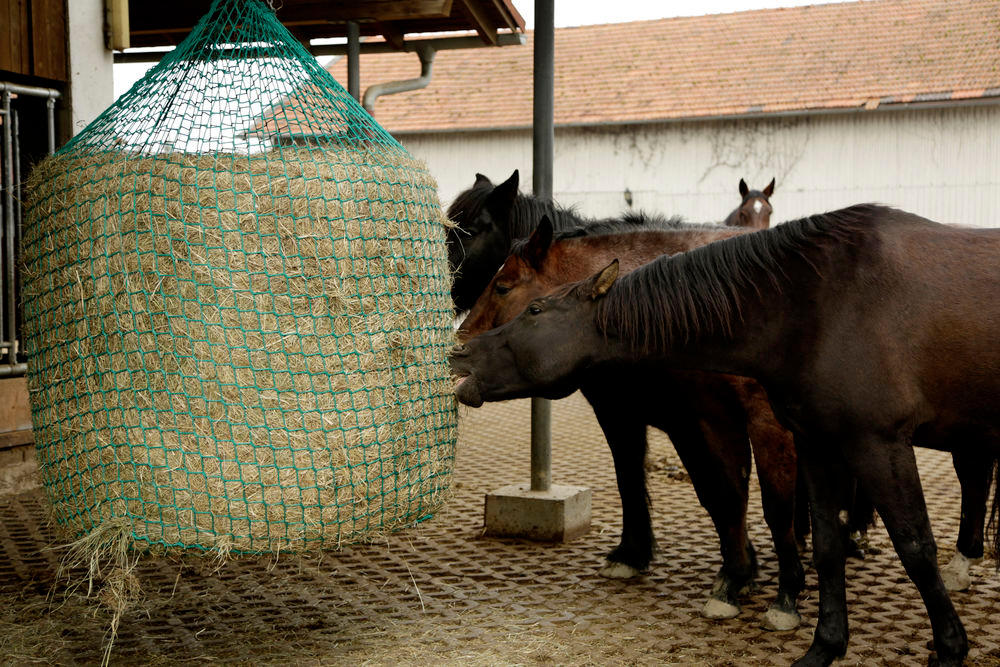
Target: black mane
[701,292]
[524,217]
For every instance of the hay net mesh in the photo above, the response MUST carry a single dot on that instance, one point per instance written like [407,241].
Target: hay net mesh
[236,307]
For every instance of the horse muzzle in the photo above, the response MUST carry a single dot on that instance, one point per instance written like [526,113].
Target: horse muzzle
[467,391]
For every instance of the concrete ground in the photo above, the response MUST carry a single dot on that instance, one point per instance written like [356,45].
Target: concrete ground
[442,593]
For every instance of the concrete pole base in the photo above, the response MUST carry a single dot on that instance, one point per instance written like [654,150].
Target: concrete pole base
[560,514]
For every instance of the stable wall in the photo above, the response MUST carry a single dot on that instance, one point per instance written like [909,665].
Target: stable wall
[943,163]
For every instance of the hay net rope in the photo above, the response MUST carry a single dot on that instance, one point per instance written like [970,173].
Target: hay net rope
[236,307]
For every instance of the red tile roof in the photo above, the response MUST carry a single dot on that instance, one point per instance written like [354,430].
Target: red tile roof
[818,57]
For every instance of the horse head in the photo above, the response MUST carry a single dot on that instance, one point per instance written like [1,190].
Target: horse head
[479,239]
[541,352]
[754,210]
[521,278]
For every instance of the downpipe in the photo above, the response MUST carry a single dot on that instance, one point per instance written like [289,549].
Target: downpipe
[373,92]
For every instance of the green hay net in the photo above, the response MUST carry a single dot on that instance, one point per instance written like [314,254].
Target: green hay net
[236,306]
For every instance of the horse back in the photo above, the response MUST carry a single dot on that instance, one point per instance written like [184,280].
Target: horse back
[915,326]
[955,323]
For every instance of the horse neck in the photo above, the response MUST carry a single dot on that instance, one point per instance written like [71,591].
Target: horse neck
[579,257]
[726,318]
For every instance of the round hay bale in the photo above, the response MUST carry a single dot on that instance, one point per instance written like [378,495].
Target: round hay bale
[237,308]
[237,360]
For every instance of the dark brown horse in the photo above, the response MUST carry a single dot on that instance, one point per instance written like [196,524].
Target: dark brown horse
[711,419]
[540,264]
[489,218]
[754,210]
[871,329]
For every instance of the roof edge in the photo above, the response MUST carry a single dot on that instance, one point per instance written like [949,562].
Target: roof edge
[990,96]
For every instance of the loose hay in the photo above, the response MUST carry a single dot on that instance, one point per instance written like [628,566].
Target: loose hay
[239,352]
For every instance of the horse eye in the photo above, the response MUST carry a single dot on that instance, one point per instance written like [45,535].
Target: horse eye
[534,309]
[501,290]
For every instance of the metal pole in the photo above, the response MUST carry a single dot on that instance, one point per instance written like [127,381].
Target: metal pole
[354,60]
[5,121]
[10,217]
[18,213]
[10,324]
[543,140]
[50,103]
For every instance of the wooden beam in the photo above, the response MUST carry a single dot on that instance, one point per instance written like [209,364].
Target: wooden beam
[486,31]
[370,10]
[507,14]
[393,36]
[15,51]
[48,39]
[117,36]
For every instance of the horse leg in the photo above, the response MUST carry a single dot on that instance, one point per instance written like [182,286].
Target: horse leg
[975,474]
[774,450]
[887,471]
[626,437]
[801,513]
[827,481]
[718,463]
[860,516]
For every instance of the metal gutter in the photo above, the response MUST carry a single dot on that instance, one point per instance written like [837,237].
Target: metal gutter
[375,91]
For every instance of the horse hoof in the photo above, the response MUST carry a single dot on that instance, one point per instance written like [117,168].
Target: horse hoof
[719,609]
[618,571]
[779,621]
[955,574]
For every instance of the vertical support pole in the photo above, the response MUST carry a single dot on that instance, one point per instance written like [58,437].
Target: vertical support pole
[15,243]
[354,60]
[10,323]
[50,104]
[543,141]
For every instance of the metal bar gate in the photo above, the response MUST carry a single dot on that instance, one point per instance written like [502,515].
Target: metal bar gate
[11,361]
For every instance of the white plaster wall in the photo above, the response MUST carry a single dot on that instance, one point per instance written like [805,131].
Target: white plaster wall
[91,65]
[940,163]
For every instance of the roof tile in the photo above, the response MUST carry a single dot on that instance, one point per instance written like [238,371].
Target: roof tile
[832,56]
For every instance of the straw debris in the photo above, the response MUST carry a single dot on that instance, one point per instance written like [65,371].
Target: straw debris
[239,353]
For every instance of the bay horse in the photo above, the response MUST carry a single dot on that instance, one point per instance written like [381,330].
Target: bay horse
[487,219]
[872,330]
[712,420]
[754,210]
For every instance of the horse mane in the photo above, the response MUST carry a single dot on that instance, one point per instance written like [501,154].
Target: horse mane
[528,210]
[702,292]
[627,223]
[524,216]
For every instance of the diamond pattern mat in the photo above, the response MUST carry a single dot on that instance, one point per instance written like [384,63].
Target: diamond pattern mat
[442,593]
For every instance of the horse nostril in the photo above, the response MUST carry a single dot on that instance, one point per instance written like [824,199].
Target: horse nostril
[459,349]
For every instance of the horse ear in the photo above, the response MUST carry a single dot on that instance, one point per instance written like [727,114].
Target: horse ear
[501,200]
[482,180]
[539,242]
[769,189]
[743,188]
[603,280]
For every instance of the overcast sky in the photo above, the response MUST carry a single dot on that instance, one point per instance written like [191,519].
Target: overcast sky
[589,12]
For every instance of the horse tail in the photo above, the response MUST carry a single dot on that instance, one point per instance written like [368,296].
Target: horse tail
[992,526]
